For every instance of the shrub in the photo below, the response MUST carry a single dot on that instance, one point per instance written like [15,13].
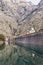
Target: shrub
[2,37]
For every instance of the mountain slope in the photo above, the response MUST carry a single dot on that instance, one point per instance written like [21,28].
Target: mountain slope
[9,15]
[21,16]
[33,18]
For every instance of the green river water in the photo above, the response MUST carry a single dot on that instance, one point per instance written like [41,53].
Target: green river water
[15,55]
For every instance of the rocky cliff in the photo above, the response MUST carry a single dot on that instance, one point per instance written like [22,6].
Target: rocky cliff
[20,17]
[30,17]
[7,19]
[9,15]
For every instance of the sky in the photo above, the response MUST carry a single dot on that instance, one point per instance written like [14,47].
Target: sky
[34,1]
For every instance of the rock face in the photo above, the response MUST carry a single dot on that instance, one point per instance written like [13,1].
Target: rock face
[7,20]
[21,16]
[41,3]
[9,15]
[31,16]
[6,24]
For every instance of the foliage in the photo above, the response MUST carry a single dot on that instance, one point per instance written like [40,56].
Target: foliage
[2,37]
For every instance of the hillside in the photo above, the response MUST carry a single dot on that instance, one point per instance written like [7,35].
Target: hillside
[11,15]
[18,17]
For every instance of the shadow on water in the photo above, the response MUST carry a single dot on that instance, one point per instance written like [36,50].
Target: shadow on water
[2,46]
[21,56]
